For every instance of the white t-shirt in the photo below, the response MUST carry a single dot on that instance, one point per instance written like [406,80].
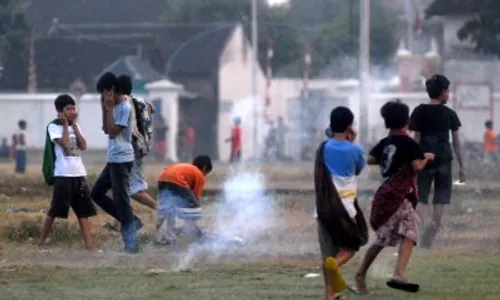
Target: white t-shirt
[68,161]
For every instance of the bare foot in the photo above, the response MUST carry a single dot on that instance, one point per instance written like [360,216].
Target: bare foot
[361,287]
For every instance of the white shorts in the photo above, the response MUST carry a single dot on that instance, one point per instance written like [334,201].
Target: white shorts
[137,181]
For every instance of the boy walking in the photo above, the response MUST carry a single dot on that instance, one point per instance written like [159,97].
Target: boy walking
[19,147]
[393,216]
[180,189]
[432,124]
[120,157]
[236,141]
[342,228]
[68,172]
[490,143]
[138,184]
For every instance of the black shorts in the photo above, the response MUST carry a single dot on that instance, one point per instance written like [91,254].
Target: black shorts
[441,175]
[329,246]
[74,192]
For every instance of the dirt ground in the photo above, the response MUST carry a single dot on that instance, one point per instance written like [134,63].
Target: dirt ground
[281,248]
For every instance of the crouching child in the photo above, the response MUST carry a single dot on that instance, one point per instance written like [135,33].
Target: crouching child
[342,228]
[393,216]
[63,168]
[180,187]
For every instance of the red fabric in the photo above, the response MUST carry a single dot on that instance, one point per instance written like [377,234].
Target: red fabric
[190,136]
[236,138]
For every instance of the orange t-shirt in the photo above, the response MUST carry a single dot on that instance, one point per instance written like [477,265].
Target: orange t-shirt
[185,175]
[489,141]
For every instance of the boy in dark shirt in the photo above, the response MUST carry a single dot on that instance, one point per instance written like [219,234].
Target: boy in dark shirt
[393,215]
[432,124]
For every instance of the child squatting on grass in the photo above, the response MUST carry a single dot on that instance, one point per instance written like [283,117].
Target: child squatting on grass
[67,173]
[393,216]
[342,228]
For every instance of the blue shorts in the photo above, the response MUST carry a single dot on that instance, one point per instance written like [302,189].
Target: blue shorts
[176,201]
[137,181]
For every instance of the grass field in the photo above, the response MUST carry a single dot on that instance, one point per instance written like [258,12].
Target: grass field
[465,263]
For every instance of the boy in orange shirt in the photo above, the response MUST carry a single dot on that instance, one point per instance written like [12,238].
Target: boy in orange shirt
[489,142]
[180,188]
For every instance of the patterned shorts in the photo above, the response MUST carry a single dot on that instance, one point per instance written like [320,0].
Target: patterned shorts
[403,224]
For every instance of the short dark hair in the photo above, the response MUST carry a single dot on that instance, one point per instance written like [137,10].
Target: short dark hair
[106,82]
[124,85]
[396,114]
[488,124]
[21,123]
[63,100]
[436,85]
[203,162]
[341,118]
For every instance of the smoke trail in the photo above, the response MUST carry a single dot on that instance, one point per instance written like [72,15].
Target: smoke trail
[243,210]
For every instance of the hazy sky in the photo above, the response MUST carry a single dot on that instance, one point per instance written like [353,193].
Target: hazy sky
[276,2]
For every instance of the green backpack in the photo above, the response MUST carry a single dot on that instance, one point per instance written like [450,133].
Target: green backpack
[49,156]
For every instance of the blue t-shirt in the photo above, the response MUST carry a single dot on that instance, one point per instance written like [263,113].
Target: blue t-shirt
[343,158]
[120,148]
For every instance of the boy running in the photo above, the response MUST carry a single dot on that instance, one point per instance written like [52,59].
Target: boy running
[180,188]
[342,228]
[432,124]
[70,186]
[393,215]
[116,174]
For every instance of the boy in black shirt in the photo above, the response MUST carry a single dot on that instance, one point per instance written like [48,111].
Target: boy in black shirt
[393,215]
[432,124]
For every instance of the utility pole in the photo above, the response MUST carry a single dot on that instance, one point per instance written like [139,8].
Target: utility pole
[255,96]
[364,71]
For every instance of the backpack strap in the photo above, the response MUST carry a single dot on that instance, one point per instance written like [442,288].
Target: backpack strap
[133,116]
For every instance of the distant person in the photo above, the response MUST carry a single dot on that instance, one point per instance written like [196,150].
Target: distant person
[67,172]
[281,134]
[19,147]
[393,216]
[490,143]
[189,142]
[4,149]
[160,136]
[342,227]
[180,189]
[138,186]
[115,176]
[432,124]
[236,141]
[271,140]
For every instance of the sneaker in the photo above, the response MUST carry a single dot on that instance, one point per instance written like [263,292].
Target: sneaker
[129,237]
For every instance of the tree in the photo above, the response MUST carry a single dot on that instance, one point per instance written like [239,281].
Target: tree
[331,26]
[14,32]
[340,40]
[482,27]
[272,23]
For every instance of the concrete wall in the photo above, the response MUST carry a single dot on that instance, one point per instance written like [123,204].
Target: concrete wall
[38,110]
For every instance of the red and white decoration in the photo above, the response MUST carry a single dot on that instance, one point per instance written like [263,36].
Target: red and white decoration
[307,70]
